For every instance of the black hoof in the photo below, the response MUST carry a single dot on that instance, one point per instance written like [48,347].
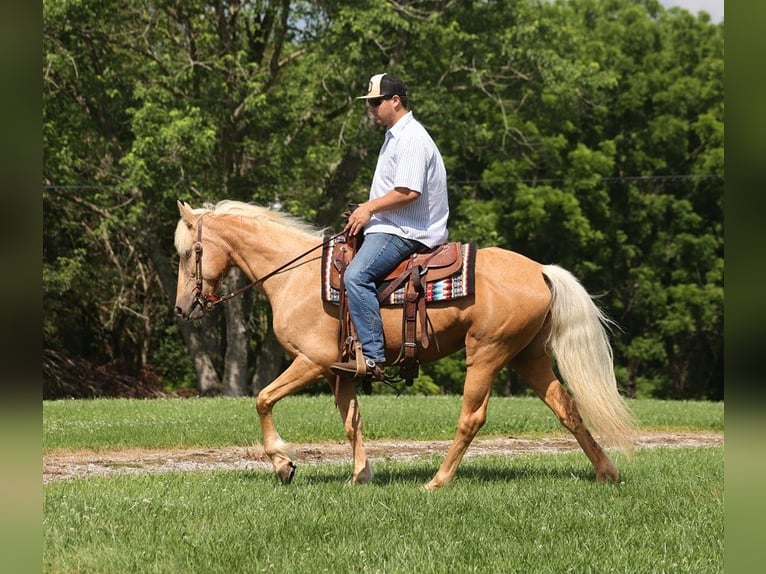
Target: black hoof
[290,476]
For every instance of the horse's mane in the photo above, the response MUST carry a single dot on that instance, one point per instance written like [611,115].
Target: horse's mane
[247,210]
[229,206]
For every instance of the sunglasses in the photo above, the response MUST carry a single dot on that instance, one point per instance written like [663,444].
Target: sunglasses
[375,102]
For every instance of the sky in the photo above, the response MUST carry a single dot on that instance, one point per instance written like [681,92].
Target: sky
[712,7]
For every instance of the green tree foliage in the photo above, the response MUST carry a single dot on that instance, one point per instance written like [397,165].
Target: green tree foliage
[586,133]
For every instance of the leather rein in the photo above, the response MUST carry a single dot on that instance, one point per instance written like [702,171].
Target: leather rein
[209,300]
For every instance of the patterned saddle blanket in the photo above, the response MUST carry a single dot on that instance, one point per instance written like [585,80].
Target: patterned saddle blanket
[449,273]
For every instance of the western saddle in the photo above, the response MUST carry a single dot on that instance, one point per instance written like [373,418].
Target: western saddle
[412,274]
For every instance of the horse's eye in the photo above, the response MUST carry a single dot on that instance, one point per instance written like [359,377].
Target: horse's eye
[187,254]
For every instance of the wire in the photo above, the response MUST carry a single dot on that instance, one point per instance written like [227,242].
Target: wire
[619,179]
[543,181]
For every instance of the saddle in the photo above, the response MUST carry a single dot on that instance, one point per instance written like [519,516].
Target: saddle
[441,273]
[438,263]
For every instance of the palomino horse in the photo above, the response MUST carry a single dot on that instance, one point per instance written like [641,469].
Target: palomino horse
[522,313]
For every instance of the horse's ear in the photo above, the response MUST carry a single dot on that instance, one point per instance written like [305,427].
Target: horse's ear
[186,213]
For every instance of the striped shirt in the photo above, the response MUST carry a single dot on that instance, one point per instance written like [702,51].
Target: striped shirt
[409,158]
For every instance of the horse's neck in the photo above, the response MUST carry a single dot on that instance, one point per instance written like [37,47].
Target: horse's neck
[261,249]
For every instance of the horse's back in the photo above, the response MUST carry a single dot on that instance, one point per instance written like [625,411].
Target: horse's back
[508,277]
[505,282]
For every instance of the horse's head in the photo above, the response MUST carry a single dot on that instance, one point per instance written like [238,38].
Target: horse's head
[202,262]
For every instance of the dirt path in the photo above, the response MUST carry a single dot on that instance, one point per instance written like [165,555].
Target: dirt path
[81,464]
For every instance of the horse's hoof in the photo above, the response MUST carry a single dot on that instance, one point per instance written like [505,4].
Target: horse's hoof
[608,476]
[286,473]
[364,476]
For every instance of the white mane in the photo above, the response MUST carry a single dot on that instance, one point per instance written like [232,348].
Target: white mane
[229,206]
[184,240]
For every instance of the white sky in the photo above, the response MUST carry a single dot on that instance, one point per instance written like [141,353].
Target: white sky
[712,7]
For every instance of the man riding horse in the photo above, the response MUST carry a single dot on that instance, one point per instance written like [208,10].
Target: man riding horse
[406,212]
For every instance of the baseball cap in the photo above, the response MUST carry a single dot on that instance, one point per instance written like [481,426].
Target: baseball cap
[384,85]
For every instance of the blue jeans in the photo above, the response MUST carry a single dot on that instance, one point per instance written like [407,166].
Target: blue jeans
[379,254]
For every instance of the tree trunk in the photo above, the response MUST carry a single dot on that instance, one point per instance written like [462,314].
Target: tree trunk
[235,376]
[338,184]
[208,382]
[269,362]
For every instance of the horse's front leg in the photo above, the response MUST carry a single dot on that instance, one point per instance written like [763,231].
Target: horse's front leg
[300,373]
[348,406]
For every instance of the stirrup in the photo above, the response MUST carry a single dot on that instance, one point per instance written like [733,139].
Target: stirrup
[369,369]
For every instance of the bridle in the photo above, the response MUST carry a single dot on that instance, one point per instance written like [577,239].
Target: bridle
[205,300]
[209,300]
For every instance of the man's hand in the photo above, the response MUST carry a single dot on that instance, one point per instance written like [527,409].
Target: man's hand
[358,219]
[394,199]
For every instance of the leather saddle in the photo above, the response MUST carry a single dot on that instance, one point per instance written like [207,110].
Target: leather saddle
[412,275]
[438,263]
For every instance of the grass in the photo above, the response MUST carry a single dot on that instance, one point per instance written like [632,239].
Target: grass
[535,513]
[213,422]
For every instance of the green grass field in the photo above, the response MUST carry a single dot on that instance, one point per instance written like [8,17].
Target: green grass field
[527,513]
[121,423]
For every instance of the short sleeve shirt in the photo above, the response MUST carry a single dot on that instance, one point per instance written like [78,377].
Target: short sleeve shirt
[409,158]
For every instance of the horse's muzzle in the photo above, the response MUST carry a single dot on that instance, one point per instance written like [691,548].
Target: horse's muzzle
[196,311]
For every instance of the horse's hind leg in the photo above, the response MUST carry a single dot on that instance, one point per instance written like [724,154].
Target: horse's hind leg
[473,414]
[348,405]
[537,373]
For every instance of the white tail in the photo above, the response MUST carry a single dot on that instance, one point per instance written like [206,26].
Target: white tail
[579,343]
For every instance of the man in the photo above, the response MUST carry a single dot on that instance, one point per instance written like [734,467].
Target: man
[406,212]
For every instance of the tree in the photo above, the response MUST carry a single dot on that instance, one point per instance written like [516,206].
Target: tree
[584,133]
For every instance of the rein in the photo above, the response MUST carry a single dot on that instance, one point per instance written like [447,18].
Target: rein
[209,300]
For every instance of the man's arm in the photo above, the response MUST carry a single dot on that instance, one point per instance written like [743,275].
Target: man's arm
[394,199]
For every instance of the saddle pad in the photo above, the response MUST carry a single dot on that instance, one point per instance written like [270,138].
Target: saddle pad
[459,284]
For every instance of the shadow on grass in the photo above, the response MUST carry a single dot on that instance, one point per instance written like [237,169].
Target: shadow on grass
[419,473]
[483,473]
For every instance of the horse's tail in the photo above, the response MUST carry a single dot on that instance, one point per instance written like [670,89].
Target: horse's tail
[579,343]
